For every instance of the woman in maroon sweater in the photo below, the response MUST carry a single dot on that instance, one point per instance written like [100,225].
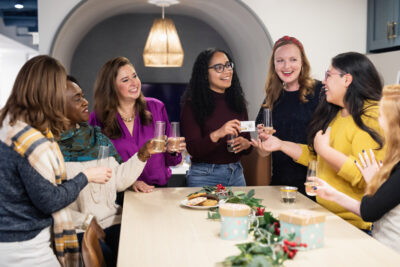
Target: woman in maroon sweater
[213,106]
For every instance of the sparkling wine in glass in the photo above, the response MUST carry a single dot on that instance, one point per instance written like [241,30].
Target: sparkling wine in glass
[310,180]
[268,128]
[230,138]
[175,135]
[159,137]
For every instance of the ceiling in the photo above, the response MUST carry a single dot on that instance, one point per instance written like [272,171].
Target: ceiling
[21,18]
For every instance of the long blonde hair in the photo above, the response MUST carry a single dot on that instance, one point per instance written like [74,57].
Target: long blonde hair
[390,107]
[38,96]
[274,86]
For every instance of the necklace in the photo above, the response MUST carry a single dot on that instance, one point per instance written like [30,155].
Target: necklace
[126,118]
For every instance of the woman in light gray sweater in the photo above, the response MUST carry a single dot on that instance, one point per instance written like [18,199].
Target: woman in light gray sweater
[80,147]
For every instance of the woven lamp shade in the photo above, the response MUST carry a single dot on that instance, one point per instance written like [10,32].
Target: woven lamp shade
[163,47]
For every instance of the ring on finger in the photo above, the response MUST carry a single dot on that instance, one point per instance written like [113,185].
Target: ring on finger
[364,165]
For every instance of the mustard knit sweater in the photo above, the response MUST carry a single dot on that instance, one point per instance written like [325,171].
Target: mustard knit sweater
[349,139]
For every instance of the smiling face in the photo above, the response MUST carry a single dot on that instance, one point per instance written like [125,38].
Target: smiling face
[77,105]
[219,82]
[336,83]
[287,61]
[128,84]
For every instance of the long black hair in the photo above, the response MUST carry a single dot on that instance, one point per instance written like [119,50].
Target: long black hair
[200,94]
[366,85]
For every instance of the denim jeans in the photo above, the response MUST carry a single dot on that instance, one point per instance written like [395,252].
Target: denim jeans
[202,174]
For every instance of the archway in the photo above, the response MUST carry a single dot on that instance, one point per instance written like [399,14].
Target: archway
[246,35]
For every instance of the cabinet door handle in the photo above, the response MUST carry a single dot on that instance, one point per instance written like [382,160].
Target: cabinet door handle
[394,35]
[388,31]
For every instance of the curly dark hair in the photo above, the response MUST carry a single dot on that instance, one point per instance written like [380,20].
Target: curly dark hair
[366,85]
[200,94]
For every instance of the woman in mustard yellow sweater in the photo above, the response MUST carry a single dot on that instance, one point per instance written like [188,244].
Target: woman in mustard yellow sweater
[344,126]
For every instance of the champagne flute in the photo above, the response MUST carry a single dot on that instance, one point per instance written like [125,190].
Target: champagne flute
[268,128]
[159,137]
[310,179]
[104,152]
[102,158]
[230,138]
[175,135]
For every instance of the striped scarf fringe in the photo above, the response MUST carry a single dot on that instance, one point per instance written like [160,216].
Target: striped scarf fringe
[45,157]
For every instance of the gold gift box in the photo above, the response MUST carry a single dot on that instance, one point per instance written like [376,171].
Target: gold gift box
[302,217]
[234,210]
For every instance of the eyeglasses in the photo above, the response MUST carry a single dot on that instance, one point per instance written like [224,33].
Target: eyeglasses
[329,74]
[221,67]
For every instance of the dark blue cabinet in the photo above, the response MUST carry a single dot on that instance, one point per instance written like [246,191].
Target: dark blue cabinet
[383,25]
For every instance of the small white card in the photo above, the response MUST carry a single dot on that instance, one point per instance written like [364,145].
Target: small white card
[247,126]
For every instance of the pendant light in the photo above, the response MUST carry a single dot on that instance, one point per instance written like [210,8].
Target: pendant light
[163,47]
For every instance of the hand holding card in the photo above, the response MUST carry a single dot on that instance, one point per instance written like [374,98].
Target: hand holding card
[247,126]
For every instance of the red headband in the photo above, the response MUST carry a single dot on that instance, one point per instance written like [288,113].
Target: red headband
[288,38]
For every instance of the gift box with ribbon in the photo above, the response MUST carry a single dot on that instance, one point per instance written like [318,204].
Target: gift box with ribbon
[234,221]
[307,225]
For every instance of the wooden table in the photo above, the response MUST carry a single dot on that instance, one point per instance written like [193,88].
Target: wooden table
[157,231]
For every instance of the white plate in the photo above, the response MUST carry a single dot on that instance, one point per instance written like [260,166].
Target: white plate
[184,203]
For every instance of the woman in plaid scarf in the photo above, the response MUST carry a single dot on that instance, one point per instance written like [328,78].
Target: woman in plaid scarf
[33,193]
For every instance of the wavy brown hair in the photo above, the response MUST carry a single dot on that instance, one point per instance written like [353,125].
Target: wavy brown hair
[106,99]
[38,96]
[274,85]
[390,108]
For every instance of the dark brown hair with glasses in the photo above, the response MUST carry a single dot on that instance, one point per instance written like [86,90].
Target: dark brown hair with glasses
[221,67]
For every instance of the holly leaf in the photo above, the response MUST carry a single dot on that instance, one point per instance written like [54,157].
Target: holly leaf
[260,261]
[239,193]
[213,215]
[251,193]
[269,218]
[235,199]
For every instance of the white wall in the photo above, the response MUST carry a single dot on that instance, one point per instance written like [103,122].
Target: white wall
[50,16]
[388,64]
[12,56]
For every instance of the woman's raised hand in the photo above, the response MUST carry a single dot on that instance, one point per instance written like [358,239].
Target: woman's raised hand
[230,127]
[321,141]
[239,144]
[324,190]
[368,166]
[171,147]
[269,145]
[263,132]
[99,175]
[146,150]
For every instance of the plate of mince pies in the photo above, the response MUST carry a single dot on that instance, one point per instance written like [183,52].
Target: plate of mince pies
[200,200]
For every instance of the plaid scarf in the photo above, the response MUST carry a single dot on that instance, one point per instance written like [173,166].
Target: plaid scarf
[45,157]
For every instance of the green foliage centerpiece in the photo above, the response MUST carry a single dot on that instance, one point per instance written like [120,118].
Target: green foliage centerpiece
[269,248]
